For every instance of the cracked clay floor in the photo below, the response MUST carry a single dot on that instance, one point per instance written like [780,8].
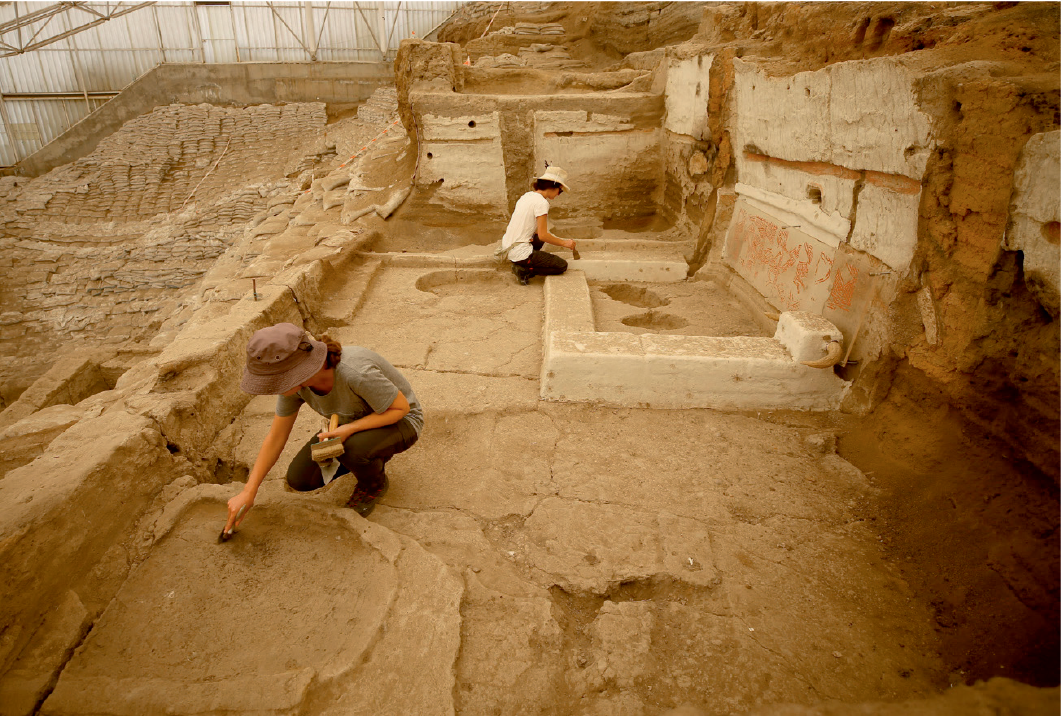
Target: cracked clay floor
[618,559]
[483,324]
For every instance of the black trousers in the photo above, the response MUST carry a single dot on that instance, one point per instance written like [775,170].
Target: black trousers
[365,454]
[541,263]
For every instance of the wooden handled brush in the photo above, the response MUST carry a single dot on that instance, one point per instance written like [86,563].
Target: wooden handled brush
[329,449]
[226,535]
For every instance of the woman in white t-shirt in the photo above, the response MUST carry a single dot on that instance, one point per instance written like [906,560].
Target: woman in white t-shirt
[528,229]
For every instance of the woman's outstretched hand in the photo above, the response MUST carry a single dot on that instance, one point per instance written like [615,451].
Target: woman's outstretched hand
[238,507]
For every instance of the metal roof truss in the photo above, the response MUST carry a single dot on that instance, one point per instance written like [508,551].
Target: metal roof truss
[12,41]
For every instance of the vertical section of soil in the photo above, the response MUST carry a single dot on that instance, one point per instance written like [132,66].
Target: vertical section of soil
[972,526]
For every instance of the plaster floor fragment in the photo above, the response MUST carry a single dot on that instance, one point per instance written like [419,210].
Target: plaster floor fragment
[483,322]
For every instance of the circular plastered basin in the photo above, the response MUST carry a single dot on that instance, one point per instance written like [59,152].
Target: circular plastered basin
[634,295]
[245,626]
[449,282]
[653,320]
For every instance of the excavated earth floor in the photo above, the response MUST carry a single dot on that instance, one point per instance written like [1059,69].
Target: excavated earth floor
[541,557]
[529,557]
[597,560]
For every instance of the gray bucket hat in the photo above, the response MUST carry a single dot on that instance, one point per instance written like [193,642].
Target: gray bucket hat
[280,358]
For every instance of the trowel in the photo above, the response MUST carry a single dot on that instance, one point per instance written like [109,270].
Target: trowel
[325,452]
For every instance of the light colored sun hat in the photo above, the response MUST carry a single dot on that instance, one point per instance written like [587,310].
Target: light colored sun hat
[280,358]
[557,175]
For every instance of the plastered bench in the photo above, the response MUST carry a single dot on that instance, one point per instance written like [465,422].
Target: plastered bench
[581,364]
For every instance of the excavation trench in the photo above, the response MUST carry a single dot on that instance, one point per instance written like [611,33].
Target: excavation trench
[578,553]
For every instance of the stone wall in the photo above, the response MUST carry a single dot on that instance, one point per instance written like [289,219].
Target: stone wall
[481,146]
[613,163]
[155,163]
[464,157]
[481,152]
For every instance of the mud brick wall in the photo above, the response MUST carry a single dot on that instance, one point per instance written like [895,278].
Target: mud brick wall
[156,161]
[106,248]
[103,291]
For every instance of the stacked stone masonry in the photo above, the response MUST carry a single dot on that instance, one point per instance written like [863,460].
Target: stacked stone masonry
[158,162]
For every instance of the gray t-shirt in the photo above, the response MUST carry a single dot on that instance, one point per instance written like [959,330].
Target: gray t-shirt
[364,383]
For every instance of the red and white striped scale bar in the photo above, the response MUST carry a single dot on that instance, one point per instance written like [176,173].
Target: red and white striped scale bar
[365,148]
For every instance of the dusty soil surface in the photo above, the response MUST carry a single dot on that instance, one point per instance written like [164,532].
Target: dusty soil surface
[609,557]
[213,613]
[483,322]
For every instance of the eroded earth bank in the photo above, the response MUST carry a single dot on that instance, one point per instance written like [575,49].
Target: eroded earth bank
[631,497]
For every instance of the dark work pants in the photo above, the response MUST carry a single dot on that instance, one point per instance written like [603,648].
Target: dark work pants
[365,455]
[541,263]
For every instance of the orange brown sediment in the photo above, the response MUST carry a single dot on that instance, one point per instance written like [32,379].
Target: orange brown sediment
[816,168]
[894,182]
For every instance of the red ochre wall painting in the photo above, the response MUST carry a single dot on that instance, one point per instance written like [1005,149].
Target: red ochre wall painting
[793,270]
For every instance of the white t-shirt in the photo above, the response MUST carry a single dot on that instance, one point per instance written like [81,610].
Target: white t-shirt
[524,224]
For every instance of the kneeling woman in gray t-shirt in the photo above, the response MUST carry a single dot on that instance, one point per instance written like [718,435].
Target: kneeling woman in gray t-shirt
[379,414]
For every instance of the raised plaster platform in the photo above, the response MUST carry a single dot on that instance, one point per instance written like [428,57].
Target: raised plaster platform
[624,268]
[745,373]
[602,260]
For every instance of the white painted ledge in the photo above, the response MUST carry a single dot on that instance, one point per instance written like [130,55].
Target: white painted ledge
[830,229]
[663,371]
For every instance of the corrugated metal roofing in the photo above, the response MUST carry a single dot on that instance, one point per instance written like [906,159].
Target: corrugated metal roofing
[107,57]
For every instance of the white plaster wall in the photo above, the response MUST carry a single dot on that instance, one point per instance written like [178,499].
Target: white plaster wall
[461,129]
[578,121]
[837,192]
[613,167]
[463,156]
[686,94]
[861,115]
[829,229]
[784,117]
[1036,205]
[791,268]
[886,225]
